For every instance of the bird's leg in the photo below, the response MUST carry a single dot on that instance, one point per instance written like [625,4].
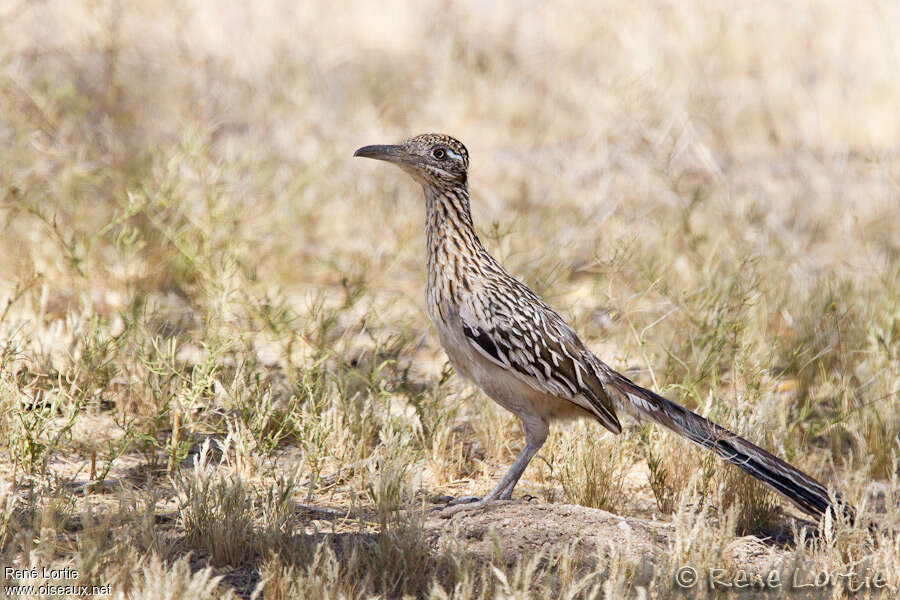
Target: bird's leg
[536,431]
[504,489]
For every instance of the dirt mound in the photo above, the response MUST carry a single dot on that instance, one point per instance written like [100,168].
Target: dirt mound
[505,530]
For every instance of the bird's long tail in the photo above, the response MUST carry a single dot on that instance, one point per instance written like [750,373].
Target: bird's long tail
[801,489]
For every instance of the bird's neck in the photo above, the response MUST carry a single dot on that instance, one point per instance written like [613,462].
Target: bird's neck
[454,251]
[449,221]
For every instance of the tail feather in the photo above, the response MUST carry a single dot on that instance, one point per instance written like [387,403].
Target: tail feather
[808,494]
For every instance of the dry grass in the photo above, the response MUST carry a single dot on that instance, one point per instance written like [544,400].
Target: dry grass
[211,318]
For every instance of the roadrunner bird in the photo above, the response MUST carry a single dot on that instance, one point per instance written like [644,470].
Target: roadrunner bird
[501,335]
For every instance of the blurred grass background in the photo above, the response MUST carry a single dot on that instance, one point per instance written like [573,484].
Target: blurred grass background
[708,190]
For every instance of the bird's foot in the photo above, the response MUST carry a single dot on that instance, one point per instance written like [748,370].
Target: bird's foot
[467,503]
[464,500]
[453,501]
[472,503]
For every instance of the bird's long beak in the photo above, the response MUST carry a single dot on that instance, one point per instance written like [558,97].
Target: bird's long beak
[394,154]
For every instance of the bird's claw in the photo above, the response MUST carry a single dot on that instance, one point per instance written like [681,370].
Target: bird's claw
[452,509]
[464,500]
[451,501]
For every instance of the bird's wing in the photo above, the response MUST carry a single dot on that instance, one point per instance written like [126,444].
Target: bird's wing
[532,342]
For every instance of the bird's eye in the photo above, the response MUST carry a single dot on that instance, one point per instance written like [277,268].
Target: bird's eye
[439,153]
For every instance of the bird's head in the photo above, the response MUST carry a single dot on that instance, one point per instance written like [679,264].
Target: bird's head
[433,159]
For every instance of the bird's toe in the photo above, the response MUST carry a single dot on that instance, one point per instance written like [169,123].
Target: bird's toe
[453,509]
[465,500]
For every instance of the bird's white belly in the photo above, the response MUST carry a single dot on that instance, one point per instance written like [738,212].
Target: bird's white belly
[501,385]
